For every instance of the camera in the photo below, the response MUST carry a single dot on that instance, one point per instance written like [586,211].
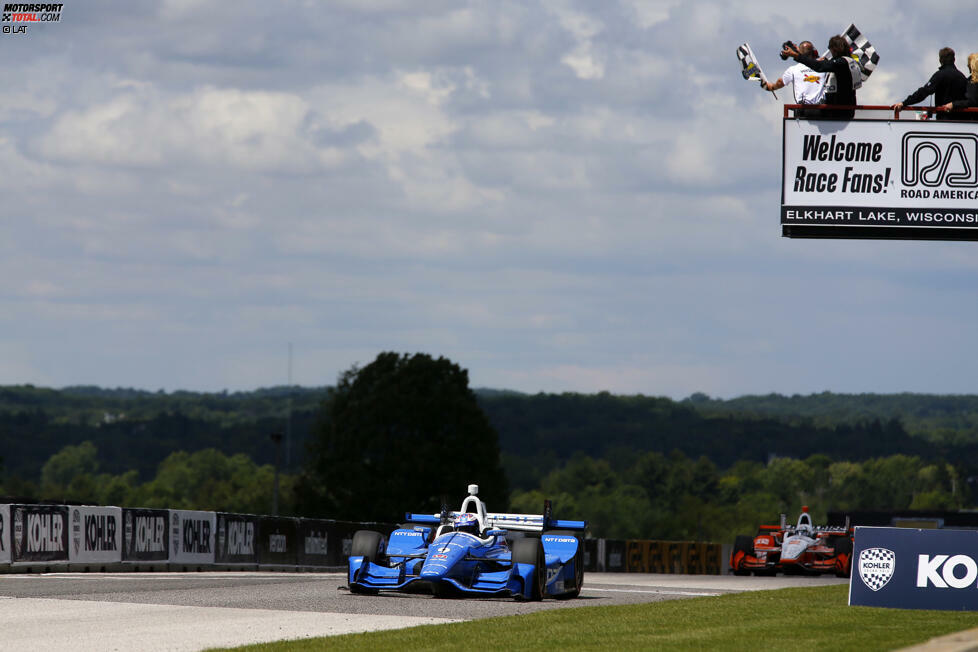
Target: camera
[786,44]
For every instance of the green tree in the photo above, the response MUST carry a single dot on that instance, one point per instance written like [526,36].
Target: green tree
[70,466]
[397,435]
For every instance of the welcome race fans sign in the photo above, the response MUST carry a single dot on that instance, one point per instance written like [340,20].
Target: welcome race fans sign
[884,175]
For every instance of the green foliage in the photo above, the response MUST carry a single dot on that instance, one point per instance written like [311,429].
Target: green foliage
[206,480]
[677,498]
[134,429]
[399,434]
[541,432]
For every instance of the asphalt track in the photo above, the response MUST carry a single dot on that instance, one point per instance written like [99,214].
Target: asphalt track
[193,611]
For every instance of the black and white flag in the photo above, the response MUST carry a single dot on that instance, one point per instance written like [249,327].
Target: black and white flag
[862,51]
[750,69]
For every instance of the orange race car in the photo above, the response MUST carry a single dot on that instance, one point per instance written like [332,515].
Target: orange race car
[801,548]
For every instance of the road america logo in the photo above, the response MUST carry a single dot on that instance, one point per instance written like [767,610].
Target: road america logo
[876,567]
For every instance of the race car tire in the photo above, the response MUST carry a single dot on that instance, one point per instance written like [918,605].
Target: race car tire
[530,551]
[578,565]
[743,543]
[843,546]
[367,544]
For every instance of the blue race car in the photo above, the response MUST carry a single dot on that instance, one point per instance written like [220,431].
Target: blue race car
[468,553]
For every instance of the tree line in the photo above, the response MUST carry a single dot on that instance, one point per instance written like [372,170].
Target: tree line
[406,431]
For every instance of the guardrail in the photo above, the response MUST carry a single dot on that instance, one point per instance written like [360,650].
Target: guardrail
[920,112]
[88,538]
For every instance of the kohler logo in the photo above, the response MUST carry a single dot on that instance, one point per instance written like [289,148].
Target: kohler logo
[942,571]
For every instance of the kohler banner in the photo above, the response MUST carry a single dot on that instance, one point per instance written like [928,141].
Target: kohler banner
[40,533]
[192,537]
[880,173]
[5,541]
[237,539]
[145,535]
[96,534]
[915,569]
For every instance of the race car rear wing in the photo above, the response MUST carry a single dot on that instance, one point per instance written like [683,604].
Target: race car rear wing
[521,522]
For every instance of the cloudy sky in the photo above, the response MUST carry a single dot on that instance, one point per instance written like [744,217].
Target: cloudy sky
[557,195]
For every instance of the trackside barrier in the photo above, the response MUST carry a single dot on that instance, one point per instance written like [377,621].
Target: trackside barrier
[38,537]
[145,539]
[237,541]
[96,538]
[650,556]
[4,537]
[41,538]
[192,536]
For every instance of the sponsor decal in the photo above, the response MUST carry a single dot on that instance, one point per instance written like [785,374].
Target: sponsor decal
[941,571]
[44,533]
[278,543]
[196,536]
[552,574]
[76,530]
[439,557]
[315,543]
[18,532]
[149,531]
[100,533]
[561,539]
[876,566]
[240,538]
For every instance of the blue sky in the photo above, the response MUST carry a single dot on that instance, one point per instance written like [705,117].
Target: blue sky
[558,196]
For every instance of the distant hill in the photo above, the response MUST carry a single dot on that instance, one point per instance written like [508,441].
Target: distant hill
[136,429]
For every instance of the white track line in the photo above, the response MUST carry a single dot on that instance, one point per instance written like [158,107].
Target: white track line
[588,589]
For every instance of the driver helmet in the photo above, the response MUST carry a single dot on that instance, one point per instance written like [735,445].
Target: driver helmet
[467,523]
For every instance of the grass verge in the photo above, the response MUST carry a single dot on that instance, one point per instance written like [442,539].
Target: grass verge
[796,619]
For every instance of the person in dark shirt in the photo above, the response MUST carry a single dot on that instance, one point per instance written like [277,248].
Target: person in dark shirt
[842,92]
[946,85]
[970,100]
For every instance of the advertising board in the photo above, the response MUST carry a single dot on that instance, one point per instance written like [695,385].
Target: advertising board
[39,533]
[96,535]
[145,535]
[192,536]
[5,540]
[880,178]
[278,543]
[915,569]
[237,539]
[314,543]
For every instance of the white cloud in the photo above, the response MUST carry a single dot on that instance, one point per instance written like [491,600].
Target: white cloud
[569,196]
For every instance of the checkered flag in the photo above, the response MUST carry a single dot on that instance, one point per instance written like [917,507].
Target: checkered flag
[876,567]
[750,69]
[862,51]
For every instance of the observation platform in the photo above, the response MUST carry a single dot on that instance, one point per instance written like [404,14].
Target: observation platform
[909,174]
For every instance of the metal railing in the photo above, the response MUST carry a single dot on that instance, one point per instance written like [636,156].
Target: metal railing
[921,112]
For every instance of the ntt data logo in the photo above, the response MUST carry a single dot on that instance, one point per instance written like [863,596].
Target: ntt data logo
[18,16]
[876,567]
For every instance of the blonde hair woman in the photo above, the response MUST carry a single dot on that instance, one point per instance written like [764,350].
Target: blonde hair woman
[971,94]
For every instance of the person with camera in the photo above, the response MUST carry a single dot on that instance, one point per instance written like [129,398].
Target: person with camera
[840,89]
[946,85]
[807,85]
